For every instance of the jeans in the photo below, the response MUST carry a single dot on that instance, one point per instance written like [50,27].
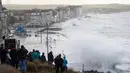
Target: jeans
[23,64]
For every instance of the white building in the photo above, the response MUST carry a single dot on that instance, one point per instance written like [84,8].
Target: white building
[40,18]
[3,22]
[68,12]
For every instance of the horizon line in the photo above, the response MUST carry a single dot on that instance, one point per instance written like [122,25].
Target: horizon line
[68,4]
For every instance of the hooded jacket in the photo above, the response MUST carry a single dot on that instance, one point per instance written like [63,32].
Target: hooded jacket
[65,62]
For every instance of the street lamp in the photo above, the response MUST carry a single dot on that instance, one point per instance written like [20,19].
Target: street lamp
[47,27]
[47,39]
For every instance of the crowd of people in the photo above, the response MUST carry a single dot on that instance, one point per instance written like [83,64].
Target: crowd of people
[18,58]
[14,57]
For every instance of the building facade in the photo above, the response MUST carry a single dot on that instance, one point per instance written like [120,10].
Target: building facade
[1,30]
[42,17]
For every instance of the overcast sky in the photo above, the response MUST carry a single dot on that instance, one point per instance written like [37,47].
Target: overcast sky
[40,2]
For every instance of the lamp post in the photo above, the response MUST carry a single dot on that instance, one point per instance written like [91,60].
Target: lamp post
[47,27]
[40,29]
[47,39]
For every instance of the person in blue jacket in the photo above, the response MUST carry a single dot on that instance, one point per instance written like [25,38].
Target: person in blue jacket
[65,62]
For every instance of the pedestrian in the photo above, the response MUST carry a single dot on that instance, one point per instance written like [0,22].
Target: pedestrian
[50,58]
[8,57]
[35,55]
[14,57]
[22,53]
[43,58]
[3,55]
[65,62]
[29,56]
[55,60]
[59,63]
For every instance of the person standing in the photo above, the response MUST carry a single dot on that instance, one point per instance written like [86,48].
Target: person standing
[14,57]
[22,53]
[8,57]
[43,58]
[35,55]
[65,62]
[3,55]
[59,63]
[50,58]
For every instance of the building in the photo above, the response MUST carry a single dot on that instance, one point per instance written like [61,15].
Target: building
[1,30]
[40,18]
[68,12]
[19,16]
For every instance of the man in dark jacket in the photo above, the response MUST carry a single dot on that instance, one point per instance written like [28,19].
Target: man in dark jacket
[50,58]
[59,63]
[14,57]
[3,55]
[22,53]
[43,58]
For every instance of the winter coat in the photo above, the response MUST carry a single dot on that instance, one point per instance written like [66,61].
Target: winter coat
[43,58]
[58,61]
[22,53]
[65,62]
[14,54]
[50,57]
[4,54]
[35,56]
[29,56]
